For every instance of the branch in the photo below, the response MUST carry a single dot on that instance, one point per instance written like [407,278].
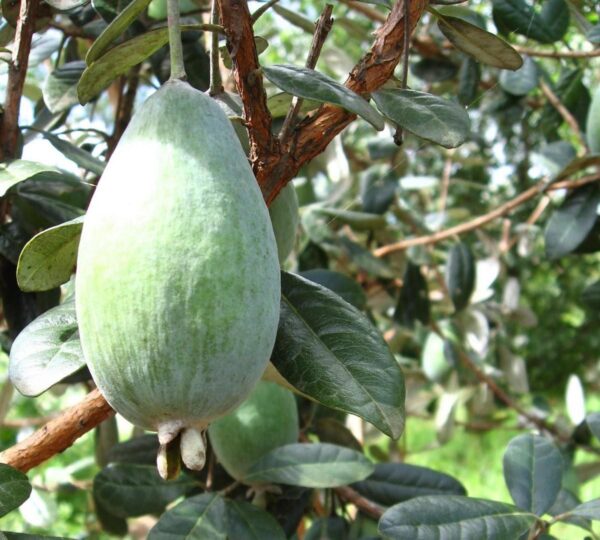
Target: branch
[480,221]
[556,54]
[58,434]
[17,70]
[347,494]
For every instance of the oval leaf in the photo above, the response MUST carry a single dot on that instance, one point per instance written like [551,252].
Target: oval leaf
[249,522]
[331,352]
[14,489]
[46,351]
[60,87]
[413,302]
[79,156]
[533,470]
[593,422]
[359,221]
[522,81]
[13,172]
[427,116]
[342,285]
[48,259]
[588,510]
[484,46]
[453,517]
[460,275]
[310,84]
[319,465]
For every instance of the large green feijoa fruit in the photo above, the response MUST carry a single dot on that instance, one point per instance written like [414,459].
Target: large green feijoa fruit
[267,420]
[177,285]
[284,217]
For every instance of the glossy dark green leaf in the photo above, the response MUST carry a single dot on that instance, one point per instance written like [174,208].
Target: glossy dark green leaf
[110,523]
[279,104]
[593,422]
[78,155]
[197,518]
[316,465]
[331,528]
[14,489]
[330,351]
[310,84]
[460,275]
[427,116]
[141,450]
[12,172]
[469,77]
[522,81]
[331,430]
[128,490]
[249,522]
[363,258]
[344,286]
[533,469]
[392,483]
[484,46]
[115,29]
[593,34]
[413,303]
[434,70]
[464,13]
[453,517]
[565,502]
[378,188]
[572,221]
[523,17]
[49,258]
[46,351]
[60,87]
[588,510]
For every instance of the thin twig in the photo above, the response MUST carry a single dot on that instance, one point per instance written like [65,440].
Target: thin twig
[446,172]
[322,29]
[17,71]
[262,9]
[347,494]
[480,221]
[216,83]
[556,54]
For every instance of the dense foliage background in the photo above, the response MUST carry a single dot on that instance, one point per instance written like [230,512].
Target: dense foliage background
[472,246]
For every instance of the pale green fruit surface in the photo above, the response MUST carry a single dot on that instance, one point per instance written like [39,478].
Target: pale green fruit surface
[266,420]
[592,130]
[284,216]
[178,283]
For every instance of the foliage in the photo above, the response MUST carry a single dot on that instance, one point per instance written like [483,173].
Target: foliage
[439,307]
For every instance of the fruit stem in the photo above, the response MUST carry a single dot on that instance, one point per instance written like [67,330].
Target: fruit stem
[216,83]
[175,46]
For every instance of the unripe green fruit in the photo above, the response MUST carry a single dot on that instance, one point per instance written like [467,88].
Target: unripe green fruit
[592,130]
[284,216]
[266,420]
[178,284]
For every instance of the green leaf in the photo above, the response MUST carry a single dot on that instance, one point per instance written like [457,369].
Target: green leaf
[60,87]
[318,465]
[593,34]
[67,5]
[310,84]
[427,116]
[533,470]
[331,528]
[565,502]
[570,224]
[295,18]
[579,164]
[460,275]
[384,3]
[197,518]
[546,26]
[453,517]
[46,351]
[115,29]
[413,302]
[588,510]
[359,221]
[49,258]
[392,483]
[593,422]
[24,536]
[342,285]
[141,450]
[128,490]
[13,172]
[330,352]
[592,129]
[522,81]
[79,156]
[14,489]
[434,357]
[249,522]
[484,46]
[469,77]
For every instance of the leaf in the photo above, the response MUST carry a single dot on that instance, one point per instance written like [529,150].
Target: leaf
[572,221]
[427,116]
[46,351]
[593,34]
[359,221]
[24,536]
[434,360]
[60,87]
[460,275]
[79,156]
[575,400]
[533,469]
[546,26]
[67,5]
[128,490]
[49,258]
[566,501]
[588,510]
[453,517]
[14,489]
[115,29]
[330,352]
[392,483]
[317,465]
[13,172]
[413,302]
[342,285]
[141,450]
[310,84]
[484,46]
[522,81]
[593,422]
[197,518]
[331,528]
[249,522]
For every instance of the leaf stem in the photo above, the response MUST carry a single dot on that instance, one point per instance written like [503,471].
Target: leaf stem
[175,46]
[216,83]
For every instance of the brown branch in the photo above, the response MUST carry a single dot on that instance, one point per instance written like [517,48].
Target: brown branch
[480,221]
[556,54]
[58,434]
[17,70]
[124,107]
[347,494]
[565,114]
